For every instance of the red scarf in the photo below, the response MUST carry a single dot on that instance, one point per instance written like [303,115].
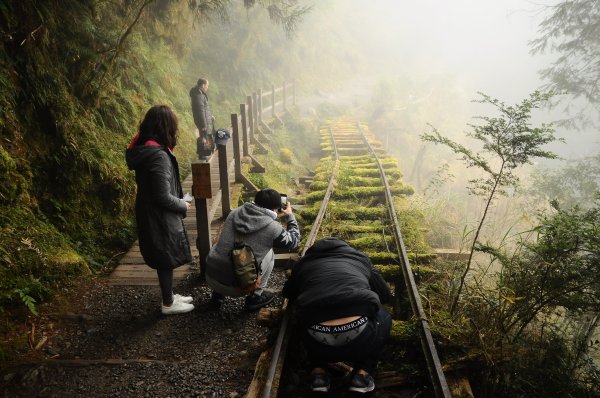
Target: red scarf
[147,143]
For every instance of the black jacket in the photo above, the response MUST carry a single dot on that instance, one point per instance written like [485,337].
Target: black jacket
[201,109]
[159,209]
[333,281]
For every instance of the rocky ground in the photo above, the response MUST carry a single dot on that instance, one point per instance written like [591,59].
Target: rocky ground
[113,341]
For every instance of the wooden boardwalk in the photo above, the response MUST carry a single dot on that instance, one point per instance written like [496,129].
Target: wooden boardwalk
[132,270]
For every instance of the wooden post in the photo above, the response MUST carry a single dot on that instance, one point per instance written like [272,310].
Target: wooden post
[284,96]
[259,107]
[224,179]
[273,101]
[236,147]
[251,119]
[201,189]
[244,130]
[255,106]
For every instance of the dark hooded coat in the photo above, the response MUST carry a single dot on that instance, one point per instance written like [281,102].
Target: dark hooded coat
[159,209]
[333,280]
[201,109]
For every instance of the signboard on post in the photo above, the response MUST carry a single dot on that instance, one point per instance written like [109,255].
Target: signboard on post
[201,184]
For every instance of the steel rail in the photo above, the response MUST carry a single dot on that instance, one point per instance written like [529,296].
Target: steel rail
[283,330]
[436,374]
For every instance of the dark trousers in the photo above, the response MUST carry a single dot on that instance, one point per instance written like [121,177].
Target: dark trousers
[165,280]
[363,352]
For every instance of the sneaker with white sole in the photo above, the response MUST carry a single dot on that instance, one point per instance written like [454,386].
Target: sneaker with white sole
[177,307]
[183,299]
[320,382]
[362,383]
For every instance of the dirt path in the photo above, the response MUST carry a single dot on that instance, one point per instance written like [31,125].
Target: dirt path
[116,343]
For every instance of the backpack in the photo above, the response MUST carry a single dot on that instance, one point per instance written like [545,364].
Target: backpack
[245,267]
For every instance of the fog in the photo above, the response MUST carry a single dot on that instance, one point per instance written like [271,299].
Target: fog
[469,46]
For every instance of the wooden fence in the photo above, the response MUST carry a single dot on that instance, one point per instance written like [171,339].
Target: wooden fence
[213,178]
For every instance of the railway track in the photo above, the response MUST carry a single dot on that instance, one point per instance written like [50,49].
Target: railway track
[353,198]
[124,347]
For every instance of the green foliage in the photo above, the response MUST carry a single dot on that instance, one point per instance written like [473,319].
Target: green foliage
[287,14]
[411,221]
[382,257]
[12,183]
[571,29]
[404,330]
[534,313]
[507,143]
[508,139]
[35,259]
[286,155]
[341,211]
[283,170]
[372,192]
[558,270]
[351,227]
[390,272]
[372,241]
[374,172]
[27,300]
[82,83]
[577,183]
[259,180]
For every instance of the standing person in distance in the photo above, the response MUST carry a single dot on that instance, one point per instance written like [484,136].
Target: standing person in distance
[203,117]
[257,223]
[338,295]
[159,207]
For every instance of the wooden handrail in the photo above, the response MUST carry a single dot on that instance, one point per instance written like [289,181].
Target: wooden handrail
[208,195]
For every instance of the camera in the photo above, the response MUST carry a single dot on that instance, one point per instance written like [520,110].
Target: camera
[284,201]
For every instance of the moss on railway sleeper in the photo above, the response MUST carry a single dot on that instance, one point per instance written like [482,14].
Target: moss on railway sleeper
[394,272]
[373,241]
[384,257]
[377,191]
[375,172]
[343,212]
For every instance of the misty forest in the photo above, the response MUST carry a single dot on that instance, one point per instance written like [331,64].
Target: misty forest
[490,109]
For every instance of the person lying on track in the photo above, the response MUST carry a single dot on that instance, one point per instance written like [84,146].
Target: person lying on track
[337,295]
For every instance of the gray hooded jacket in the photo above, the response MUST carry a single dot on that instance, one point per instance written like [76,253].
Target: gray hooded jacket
[259,229]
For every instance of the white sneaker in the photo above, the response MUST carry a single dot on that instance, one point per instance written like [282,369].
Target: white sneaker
[177,308]
[183,299]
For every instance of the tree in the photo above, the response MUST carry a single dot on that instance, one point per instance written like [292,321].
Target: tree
[577,183]
[287,13]
[510,142]
[572,31]
[535,320]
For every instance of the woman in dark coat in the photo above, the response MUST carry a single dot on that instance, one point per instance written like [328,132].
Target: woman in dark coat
[159,207]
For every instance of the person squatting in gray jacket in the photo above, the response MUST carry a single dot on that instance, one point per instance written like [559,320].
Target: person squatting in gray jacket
[159,207]
[338,295]
[257,224]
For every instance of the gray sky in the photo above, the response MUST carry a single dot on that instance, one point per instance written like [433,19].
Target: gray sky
[483,44]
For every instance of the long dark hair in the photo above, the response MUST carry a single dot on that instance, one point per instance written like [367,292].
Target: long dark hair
[160,125]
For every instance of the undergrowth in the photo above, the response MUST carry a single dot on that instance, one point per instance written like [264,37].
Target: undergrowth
[66,194]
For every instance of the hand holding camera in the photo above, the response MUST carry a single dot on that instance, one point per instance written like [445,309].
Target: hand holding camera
[286,207]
